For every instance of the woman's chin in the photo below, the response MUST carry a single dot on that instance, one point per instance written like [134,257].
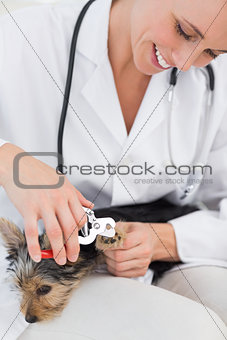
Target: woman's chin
[146,67]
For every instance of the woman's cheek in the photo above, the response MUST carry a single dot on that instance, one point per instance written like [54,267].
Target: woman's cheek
[142,58]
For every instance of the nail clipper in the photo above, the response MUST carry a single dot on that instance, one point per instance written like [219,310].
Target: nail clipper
[104,226]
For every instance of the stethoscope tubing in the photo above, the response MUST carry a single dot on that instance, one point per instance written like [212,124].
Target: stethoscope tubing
[69,84]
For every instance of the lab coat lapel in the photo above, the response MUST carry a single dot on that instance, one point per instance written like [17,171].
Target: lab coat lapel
[93,35]
[100,92]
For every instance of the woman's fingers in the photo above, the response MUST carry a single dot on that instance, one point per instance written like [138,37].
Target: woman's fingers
[132,268]
[70,231]
[78,212]
[124,255]
[121,255]
[55,236]
[32,237]
[129,273]
[134,258]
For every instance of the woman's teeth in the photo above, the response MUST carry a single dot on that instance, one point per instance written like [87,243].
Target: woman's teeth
[161,61]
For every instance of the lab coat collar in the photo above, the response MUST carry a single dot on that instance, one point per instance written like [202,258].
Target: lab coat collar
[93,36]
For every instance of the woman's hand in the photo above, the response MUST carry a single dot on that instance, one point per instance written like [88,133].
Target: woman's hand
[60,209]
[145,242]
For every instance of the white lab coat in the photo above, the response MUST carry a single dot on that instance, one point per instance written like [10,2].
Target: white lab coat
[32,80]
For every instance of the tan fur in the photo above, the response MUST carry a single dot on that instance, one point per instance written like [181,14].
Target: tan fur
[119,236]
[11,235]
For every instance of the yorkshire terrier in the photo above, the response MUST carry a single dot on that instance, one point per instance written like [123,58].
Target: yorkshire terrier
[46,287]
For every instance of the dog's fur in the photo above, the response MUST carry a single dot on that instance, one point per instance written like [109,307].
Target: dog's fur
[46,286]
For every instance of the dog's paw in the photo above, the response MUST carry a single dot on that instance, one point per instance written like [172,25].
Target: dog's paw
[103,242]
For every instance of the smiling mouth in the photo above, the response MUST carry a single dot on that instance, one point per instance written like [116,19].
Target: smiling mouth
[160,60]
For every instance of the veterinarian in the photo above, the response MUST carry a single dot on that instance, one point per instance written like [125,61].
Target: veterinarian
[130,114]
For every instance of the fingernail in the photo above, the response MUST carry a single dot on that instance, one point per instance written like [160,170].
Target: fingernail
[37,258]
[73,258]
[62,261]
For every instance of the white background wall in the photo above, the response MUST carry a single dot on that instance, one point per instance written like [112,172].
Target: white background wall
[14,4]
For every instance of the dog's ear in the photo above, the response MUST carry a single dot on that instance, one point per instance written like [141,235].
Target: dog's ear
[12,236]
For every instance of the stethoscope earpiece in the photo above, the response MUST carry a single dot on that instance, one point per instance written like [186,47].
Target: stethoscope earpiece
[209,70]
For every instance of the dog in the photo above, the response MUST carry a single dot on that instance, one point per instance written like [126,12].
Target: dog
[46,287]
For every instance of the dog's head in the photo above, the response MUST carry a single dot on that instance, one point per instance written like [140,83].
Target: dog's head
[45,286]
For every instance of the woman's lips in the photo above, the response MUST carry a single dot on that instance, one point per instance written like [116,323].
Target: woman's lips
[154,60]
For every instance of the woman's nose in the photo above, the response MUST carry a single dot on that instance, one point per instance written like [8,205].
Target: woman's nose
[183,60]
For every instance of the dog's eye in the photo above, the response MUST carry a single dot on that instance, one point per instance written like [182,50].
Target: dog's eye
[43,290]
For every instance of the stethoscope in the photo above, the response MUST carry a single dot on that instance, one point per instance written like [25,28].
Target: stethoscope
[190,188]
[194,177]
